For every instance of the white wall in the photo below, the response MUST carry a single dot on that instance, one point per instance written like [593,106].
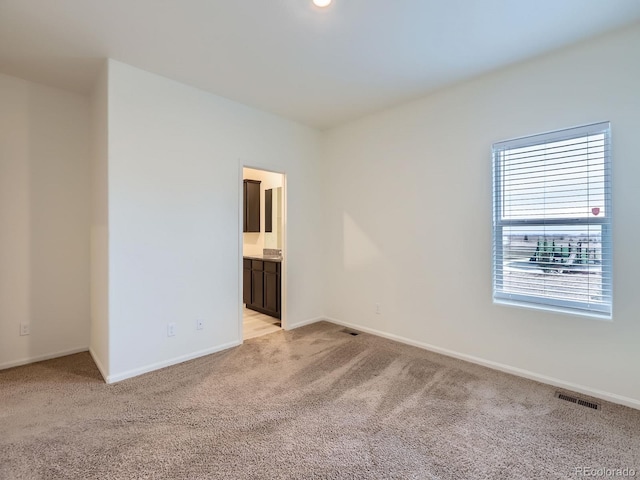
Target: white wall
[254,242]
[174,188]
[44,219]
[407,195]
[99,344]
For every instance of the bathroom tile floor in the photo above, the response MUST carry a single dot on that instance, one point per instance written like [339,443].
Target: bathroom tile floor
[255,324]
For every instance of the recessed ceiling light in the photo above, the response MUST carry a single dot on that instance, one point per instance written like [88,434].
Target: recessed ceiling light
[321,3]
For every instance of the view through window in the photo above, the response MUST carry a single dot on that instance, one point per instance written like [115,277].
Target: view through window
[552,220]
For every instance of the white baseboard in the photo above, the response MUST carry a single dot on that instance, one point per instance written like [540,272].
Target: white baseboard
[167,363]
[610,397]
[40,358]
[305,322]
[101,368]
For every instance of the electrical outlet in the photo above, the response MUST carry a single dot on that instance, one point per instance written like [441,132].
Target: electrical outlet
[25,329]
[171,329]
[377,309]
[199,324]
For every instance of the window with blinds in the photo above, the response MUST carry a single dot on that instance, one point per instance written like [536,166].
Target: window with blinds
[552,220]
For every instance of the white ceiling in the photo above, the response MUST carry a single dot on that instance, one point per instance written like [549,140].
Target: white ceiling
[318,67]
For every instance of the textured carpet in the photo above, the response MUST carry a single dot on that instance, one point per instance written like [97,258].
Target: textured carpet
[311,403]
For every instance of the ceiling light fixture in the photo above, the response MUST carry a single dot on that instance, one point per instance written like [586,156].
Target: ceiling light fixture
[321,3]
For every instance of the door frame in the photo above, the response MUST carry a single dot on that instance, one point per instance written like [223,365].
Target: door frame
[283,268]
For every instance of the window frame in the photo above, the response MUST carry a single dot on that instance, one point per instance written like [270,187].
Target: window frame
[602,311]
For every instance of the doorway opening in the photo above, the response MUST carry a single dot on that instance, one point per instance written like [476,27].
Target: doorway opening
[263,252]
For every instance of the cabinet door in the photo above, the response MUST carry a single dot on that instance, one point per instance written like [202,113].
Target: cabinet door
[272,292]
[257,288]
[251,206]
[246,286]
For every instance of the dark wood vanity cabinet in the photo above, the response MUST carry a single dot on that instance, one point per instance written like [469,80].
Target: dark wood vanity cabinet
[246,281]
[261,286]
[271,297]
[251,216]
[257,284]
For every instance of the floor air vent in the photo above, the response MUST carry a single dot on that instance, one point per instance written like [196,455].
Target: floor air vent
[350,332]
[572,399]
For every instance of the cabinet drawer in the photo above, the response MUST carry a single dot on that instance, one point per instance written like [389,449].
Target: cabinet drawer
[256,264]
[246,263]
[272,267]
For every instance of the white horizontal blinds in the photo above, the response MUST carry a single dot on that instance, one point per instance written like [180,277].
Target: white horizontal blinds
[552,216]
[562,179]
